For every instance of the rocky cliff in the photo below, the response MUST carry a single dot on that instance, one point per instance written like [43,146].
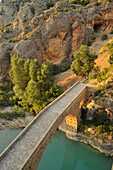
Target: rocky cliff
[10,8]
[53,34]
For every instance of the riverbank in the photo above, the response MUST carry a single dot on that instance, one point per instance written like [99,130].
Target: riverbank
[105,146]
[20,122]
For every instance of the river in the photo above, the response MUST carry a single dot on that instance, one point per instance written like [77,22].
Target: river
[6,137]
[63,153]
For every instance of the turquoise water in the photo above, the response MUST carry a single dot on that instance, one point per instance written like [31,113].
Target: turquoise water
[6,137]
[64,154]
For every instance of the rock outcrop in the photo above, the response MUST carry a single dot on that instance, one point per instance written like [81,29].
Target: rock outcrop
[10,8]
[104,146]
[56,33]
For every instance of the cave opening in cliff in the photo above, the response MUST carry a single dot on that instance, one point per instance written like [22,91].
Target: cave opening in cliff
[98,27]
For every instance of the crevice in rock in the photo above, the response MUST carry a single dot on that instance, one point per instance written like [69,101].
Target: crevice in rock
[99,27]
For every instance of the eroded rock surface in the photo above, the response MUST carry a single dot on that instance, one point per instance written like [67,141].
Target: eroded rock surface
[55,34]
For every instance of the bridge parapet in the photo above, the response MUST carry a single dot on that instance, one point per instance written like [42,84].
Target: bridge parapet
[27,149]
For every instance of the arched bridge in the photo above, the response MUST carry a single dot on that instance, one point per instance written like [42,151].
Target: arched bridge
[27,149]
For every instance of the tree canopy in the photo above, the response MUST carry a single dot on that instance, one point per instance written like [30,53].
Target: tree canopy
[84,61]
[33,83]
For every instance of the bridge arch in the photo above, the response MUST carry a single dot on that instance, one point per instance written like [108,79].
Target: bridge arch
[26,150]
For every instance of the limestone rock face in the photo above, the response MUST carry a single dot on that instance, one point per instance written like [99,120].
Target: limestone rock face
[92,108]
[10,8]
[56,34]
[8,11]
[5,51]
[25,49]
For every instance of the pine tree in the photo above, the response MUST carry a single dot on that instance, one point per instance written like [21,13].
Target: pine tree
[84,61]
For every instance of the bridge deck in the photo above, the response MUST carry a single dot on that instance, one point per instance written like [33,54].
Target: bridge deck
[20,152]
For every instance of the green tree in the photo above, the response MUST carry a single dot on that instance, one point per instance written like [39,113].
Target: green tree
[84,61]
[19,72]
[33,83]
[33,70]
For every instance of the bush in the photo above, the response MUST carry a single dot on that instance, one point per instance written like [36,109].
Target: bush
[11,115]
[111,59]
[6,93]
[94,83]
[13,40]
[111,32]
[100,90]
[87,133]
[65,10]
[93,38]
[25,38]
[46,16]
[7,31]
[100,117]
[49,5]
[6,86]
[81,2]
[65,67]
[104,37]
[33,10]
[96,3]
[89,43]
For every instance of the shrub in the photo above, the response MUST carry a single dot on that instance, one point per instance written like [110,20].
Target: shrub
[25,38]
[6,31]
[102,99]
[99,91]
[99,129]
[100,14]
[94,83]
[65,10]
[96,3]
[19,109]
[111,32]
[59,10]
[11,115]
[6,86]
[87,133]
[7,25]
[33,10]
[49,5]
[65,67]
[46,16]
[93,38]
[13,40]
[100,117]
[111,59]
[25,26]
[104,37]
[89,43]
[81,2]
[81,12]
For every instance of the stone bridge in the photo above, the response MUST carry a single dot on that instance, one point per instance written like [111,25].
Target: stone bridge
[27,149]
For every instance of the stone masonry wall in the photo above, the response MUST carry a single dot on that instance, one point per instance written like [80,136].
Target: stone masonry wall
[34,160]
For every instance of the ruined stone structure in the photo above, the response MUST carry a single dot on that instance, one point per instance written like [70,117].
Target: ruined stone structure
[27,149]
